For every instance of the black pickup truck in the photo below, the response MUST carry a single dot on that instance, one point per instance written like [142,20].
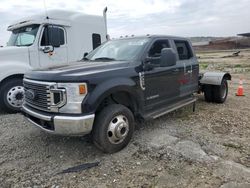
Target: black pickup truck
[120,82]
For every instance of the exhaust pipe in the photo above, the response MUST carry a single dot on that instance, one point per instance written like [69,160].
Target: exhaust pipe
[105,21]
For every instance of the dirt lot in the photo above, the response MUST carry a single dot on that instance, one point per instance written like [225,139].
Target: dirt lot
[208,148]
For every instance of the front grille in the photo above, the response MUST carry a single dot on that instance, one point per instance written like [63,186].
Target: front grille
[37,94]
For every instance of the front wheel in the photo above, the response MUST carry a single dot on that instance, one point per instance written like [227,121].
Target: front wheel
[113,128]
[12,95]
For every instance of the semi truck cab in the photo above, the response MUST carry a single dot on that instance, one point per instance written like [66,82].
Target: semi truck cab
[43,41]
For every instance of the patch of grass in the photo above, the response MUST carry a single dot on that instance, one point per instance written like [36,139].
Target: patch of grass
[203,65]
[238,66]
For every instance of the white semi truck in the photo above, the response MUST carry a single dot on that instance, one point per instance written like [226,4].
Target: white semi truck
[42,41]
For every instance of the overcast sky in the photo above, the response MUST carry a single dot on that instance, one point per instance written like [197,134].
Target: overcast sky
[139,17]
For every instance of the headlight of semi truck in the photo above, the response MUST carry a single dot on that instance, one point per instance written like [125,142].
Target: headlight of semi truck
[75,93]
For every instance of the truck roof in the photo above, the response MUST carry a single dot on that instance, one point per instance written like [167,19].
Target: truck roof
[61,17]
[153,37]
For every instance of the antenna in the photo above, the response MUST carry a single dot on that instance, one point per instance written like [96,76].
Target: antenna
[47,17]
[45,7]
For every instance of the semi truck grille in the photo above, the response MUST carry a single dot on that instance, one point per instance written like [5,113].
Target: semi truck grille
[37,94]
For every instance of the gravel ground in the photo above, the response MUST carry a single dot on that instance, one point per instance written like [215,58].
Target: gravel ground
[207,148]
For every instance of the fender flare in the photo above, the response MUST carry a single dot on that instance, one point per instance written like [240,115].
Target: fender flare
[214,78]
[92,101]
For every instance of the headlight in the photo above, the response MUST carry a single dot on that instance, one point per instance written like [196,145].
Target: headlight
[75,93]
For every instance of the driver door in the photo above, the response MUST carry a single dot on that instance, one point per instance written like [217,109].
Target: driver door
[54,38]
[161,83]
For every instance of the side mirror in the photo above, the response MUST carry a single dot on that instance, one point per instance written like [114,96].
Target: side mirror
[168,57]
[147,66]
[55,43]
[53,36]
[47,49]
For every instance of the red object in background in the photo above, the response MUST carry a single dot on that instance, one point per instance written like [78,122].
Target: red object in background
[240,90]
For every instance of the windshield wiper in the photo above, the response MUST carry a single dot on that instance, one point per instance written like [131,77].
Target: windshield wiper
[105,59]
[23,45]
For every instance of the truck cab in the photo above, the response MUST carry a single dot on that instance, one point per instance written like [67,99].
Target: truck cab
[43,41]
[118,83]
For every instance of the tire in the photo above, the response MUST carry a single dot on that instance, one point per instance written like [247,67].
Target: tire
[113,128]
[220,92]
[11,95]
[208,93]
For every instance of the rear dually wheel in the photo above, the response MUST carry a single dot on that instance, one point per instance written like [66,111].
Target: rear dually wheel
[220,92]
[216,93]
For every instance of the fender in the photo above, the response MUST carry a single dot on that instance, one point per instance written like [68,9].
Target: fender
[214,78]
[12,68]
[92,101]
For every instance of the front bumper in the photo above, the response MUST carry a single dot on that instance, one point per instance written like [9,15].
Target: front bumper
[60,124]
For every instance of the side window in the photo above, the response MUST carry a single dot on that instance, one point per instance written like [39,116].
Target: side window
[183,49]
[96,40]
[53,35]
[155,50]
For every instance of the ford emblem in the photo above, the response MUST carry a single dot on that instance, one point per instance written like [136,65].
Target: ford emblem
[30,94]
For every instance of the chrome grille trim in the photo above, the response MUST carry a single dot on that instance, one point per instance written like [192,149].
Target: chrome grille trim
[42,93]
[39,82]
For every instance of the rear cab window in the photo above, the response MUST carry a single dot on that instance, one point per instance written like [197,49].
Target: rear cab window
[183,49]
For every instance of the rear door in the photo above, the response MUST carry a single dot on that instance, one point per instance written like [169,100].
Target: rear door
[52,35]
[190,69]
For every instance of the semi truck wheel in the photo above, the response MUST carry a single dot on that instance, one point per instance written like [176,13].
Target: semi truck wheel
[220,92]
[113,128]
[12,95]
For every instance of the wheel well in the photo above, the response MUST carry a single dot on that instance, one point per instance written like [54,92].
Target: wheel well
[227,76]
[120,97]
[11,77]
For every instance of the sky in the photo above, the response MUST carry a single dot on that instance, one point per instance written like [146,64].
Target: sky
[140,17]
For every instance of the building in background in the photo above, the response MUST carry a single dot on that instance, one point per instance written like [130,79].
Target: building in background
[244,34]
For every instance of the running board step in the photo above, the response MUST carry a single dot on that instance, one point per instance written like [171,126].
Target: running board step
[171,108]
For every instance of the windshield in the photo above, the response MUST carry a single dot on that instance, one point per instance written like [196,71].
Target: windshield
[120,50]
[24,36]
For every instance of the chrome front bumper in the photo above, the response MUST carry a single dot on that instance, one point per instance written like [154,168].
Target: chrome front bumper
[58,124]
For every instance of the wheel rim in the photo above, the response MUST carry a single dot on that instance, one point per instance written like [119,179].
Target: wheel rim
[15,96]
[223,90]
[118,129]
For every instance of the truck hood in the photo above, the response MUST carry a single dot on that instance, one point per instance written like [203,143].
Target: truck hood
[13,53]
[80,71]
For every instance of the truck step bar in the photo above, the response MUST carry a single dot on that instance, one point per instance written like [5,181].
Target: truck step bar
[171,108]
